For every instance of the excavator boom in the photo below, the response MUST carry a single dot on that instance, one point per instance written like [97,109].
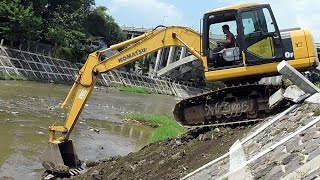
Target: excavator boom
[60,154]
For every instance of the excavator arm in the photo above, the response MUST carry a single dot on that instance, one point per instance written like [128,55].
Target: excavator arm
[60,154]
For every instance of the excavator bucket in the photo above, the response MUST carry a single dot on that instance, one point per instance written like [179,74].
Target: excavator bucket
[60,157]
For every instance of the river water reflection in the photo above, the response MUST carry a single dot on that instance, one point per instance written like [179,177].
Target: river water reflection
[28,108]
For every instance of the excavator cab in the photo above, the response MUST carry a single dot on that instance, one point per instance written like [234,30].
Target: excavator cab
[257,37]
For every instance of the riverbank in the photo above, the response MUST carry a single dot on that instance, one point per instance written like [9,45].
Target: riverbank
[13,77]
[169,159]
[129,89]
[165,126]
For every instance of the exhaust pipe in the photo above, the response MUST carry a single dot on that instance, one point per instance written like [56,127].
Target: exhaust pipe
[60,157]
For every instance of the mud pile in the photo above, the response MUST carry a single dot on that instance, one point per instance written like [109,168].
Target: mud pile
[171,159]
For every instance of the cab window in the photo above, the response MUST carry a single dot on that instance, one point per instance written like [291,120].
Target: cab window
[258,29]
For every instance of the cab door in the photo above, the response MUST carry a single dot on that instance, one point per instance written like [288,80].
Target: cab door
[261,37]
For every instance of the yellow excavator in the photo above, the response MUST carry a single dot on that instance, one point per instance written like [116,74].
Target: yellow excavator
[258,47]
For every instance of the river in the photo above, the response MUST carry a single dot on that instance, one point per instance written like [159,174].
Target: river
[28,108]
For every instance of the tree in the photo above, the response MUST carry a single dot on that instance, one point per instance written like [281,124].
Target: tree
[99,23]
[65,24]
[65,28]
[39,6]
[18,22]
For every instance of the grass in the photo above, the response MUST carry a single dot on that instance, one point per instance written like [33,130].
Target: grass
[133,89]
[165,127]
[13,77]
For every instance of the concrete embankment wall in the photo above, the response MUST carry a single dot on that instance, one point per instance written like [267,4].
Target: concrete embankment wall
[36,67]
[42,68]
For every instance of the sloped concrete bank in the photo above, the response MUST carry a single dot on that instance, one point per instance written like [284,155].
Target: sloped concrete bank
[288,148]
[36,67]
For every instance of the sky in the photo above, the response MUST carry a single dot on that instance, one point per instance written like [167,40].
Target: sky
[150,13]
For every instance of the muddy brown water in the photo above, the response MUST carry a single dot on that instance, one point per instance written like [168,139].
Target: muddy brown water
[28,108]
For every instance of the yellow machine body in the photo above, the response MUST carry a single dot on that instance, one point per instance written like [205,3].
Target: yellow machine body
[60,154]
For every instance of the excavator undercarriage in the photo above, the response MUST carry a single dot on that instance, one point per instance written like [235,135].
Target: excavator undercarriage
[230,105]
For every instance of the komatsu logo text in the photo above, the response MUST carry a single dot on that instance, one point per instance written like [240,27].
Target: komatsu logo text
[134,54]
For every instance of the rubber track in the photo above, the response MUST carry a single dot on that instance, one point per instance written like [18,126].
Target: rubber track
[240,92]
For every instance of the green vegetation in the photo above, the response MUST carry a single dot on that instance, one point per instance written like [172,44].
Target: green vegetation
[133,89]
[165,127]
[13,77]
[68,26]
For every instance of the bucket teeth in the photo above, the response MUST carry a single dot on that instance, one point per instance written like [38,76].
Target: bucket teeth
[49,177]
[77,171]
[71,172]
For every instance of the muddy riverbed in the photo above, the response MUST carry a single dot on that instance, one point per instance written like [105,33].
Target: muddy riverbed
[28,108]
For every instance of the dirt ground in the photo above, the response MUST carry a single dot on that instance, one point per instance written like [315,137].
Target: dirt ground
[171,159]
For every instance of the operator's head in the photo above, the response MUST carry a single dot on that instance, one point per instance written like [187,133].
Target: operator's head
[225,28]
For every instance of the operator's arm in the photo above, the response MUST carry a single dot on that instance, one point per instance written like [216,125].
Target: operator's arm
[136,49]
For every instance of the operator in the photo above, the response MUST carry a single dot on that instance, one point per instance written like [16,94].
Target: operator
[229,42]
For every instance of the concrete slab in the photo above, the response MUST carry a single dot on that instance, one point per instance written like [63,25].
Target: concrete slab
[176,64]
[293,93]
[276,98]
[274,80]
[314,99]
[237,155]
[297,78]
[238,158]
